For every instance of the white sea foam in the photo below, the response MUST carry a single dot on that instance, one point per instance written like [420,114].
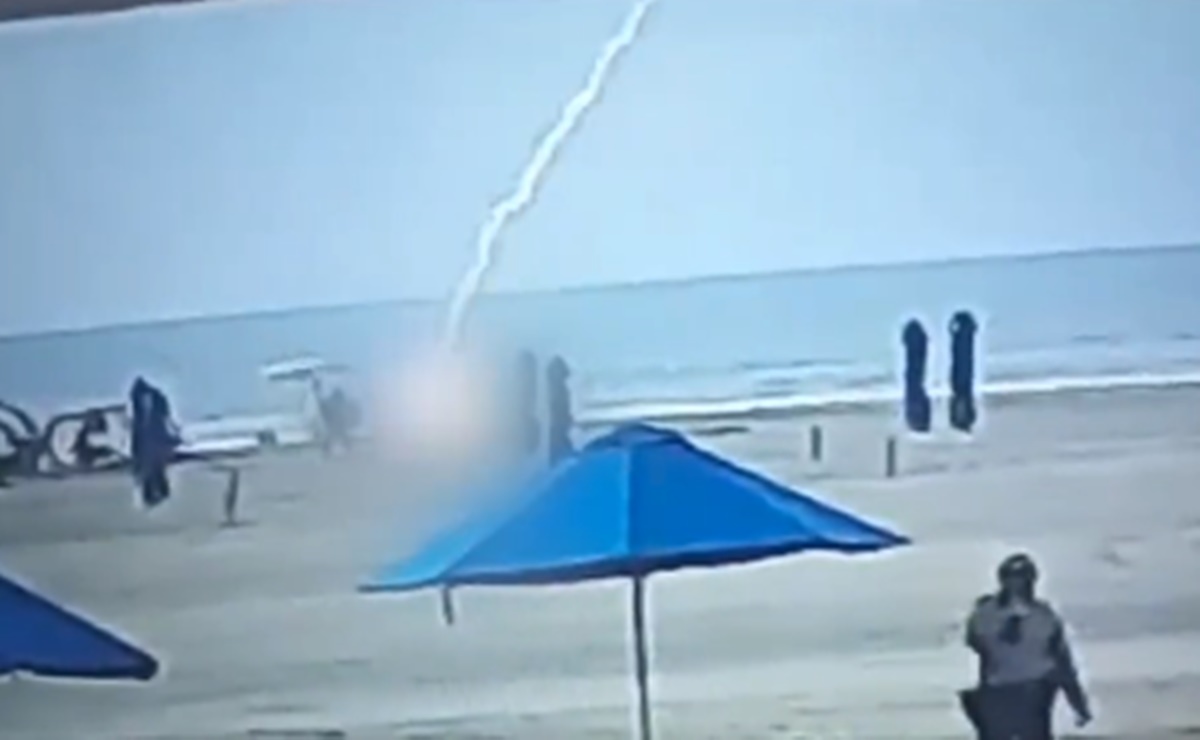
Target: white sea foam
[750,406]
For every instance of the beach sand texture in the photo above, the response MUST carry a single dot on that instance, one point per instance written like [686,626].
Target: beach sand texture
[263,634]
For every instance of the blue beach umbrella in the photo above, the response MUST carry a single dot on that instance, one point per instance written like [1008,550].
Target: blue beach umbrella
[637,501]
[22,10]
[39,637]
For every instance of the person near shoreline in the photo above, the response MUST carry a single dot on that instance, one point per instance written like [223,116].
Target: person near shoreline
[1024,657]
[560,419]
[339,417]
[528,427]
[154,442]
[10,462]
[88,453]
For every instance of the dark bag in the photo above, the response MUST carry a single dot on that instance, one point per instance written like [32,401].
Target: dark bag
[1021,711]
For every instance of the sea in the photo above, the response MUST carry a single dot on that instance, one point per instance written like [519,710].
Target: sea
[693,348]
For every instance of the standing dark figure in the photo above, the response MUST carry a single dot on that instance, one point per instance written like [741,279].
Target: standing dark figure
[339,418]
[560,419]
[88,453]
[154,442]
[1024,660]
[25,440]
[963,329]
[528,430]
[917,409]
[10,461]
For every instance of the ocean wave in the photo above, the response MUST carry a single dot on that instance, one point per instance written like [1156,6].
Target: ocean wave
[800,363]
[1110,340]
[619,376]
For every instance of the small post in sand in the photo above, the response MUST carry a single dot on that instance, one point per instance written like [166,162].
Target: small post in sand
[816,443]
[448,613]
[890,455]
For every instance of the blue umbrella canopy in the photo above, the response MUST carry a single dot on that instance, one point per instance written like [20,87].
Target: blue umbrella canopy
[16,10]
[42,638]
[637,501]
[633,502]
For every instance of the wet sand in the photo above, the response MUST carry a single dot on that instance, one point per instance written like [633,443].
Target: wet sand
[263,634]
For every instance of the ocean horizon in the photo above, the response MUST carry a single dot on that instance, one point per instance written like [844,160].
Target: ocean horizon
[706,345]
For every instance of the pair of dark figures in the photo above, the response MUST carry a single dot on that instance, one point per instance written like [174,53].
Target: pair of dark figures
[559,418]
[918,412]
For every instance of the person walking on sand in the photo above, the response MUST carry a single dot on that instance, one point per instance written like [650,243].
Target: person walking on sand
[1024,660]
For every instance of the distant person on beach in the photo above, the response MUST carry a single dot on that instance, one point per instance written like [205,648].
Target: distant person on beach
[528,428]
[24,441]
[9,461]
[963,329]
[560,419]
[1024,660]
[917,408]
[339,418]
[88,453]
[154,441]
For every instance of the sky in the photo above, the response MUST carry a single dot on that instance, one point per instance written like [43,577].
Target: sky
[267,155]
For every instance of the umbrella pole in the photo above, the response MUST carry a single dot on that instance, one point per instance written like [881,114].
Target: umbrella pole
[641,657]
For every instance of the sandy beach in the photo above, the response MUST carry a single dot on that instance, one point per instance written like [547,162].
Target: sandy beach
[264,636]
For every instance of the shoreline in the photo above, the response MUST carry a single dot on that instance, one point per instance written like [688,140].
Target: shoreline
[241,433]
[240,437]
[753,408]
[854,400]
